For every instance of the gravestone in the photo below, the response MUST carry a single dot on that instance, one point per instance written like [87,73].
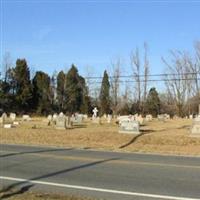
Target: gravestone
[130,127]
[7,125]
[15,123]
[95,119]
[109,118]
[166,116]
[77,118]
[68,122]
[49,119]
[61,114]
[3,118]
[125,118]
[54,118]
[148,118]
[95,111]
[12,116]
[85,116]
[140,120]
[161,118]
[61,122]
[195,131]
[26,118]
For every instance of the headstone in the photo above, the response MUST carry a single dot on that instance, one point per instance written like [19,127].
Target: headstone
[109,118]
[95,119]
[4,118]
[7,125]
[77,118]
[12,116]
[125,118]
[140,120]
[148,118]
[26,118]
[85,116]
[161,118]
[95,111]
[166,116]
[61,114]
[49,119]
[68,122]
[54,118]
[130,127]
[61,122]
[15,123]
[195,131]
[175,117]
[1,120]
[191,116]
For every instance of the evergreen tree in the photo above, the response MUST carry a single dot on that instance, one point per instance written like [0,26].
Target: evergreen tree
[74,91]
[153,102]
[105,95]
[5,97]
[85,101]
[23,87]
[61,77]
[41,91]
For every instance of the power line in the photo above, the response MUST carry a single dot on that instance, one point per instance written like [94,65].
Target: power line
[156,80]
[150,75]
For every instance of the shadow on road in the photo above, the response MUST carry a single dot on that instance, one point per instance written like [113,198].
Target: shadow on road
[29,152]
[7,192]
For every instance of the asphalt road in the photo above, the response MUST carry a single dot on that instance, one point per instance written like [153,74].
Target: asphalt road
[105,175]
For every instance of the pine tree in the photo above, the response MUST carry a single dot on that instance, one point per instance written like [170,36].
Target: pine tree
[41,91]
[85,101]
[23,87]
[73,91]
[153,102]
[105,95]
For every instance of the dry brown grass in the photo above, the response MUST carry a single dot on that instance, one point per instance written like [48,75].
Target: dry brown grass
[172,137]
[39,196]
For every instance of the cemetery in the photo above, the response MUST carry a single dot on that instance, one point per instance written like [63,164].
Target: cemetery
[157,135]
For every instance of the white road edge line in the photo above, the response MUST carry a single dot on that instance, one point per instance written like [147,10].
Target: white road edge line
[97,189]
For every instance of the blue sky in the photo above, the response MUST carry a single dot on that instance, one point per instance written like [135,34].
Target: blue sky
[53,34]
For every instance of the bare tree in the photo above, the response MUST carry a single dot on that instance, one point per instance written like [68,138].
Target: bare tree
[7,64]
[115,79]
[179,80]
[196,68]
[88,77]
[140,75]
[136,68]
[146,70]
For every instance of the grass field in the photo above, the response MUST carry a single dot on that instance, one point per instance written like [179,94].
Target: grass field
[171,137]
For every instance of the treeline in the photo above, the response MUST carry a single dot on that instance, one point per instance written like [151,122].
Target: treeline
[66,92]
[69,92]
[43,94]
